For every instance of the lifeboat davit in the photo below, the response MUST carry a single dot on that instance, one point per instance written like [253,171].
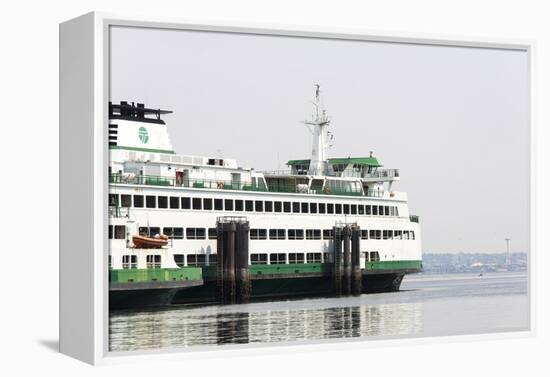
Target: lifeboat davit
[142,242]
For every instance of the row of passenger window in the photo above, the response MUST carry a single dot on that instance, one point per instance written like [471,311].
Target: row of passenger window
[177,233]
[154,261]
[174,202]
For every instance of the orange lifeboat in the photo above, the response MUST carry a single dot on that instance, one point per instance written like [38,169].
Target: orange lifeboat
[142,242]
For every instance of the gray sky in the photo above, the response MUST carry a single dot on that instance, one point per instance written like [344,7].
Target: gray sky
[453,120]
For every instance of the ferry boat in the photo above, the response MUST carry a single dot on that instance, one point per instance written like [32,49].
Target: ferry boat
[176,201]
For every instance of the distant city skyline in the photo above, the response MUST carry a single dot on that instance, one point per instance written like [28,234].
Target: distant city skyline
[454,120]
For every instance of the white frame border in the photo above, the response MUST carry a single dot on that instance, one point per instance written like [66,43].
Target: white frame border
[98,304]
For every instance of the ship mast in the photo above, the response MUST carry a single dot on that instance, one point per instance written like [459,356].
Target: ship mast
[319,128]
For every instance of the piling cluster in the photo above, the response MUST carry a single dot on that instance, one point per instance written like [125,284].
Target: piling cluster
[233,277]
[346,267]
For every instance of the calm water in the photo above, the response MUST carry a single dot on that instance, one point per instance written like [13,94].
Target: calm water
[427,305]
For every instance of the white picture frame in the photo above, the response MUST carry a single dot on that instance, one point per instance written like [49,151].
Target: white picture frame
[84,82]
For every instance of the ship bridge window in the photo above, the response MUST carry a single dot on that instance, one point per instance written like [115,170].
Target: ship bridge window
[258,234]
[305,207]
[338,208]
[313,257]
[249,205]
[375,234]
[295,234]
[212,233]
[397,235]
[196,233]
[239,205]
[387,234]
[368,210]
[268,206]
[317,185]
[150,201]
[207,204]
[374,256]
[215,162]
[361,209]
[113,200]
[294,258]
[138,201]
[185,203]
[353,209]
[259,205]
[312,207]
[153,261]
[411,235]
[322,208]
[327,234]
[313,234]
[120,232]
[386,210]
[277,258]
[218,204]
[173,233]
[228,204]
[405,234]
[179,259]
[396,211]
[110,232]
[296,207]
[286,207]
[375,210]
[380,210]
[197,203]
[129,261]
[277,234]
[330,208]
[258,258]
[278,206]
[125,200]
[346,209]
[196,260]
[163,202]
[174,202]
[392,211]
[364,234]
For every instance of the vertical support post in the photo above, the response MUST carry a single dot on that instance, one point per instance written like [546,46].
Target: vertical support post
[357,286]
[336,261]
[241,260]
[229,263]
[220,262]
[346,236]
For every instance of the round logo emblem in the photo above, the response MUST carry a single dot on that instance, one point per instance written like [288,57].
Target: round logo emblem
[143,135]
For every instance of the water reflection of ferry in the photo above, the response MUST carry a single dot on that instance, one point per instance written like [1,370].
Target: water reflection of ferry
[215,325]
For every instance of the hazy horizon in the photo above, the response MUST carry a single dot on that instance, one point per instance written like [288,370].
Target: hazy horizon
[454,120]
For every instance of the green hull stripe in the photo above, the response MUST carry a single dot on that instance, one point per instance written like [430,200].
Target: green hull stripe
[142,149]
[155,274]
[394,265]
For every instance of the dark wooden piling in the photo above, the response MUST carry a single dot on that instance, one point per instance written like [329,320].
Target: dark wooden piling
[229,263]
[336,260]
[346,238]
[356,261]
[220,258]
[241,261]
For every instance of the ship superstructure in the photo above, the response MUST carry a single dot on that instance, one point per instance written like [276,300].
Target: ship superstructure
[156,192]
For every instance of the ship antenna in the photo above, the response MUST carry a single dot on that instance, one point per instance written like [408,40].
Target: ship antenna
[318,164]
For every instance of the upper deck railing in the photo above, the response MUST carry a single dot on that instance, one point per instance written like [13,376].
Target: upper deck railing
[382,174]
[150,180]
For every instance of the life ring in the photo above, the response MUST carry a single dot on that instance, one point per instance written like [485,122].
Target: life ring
[220,185]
